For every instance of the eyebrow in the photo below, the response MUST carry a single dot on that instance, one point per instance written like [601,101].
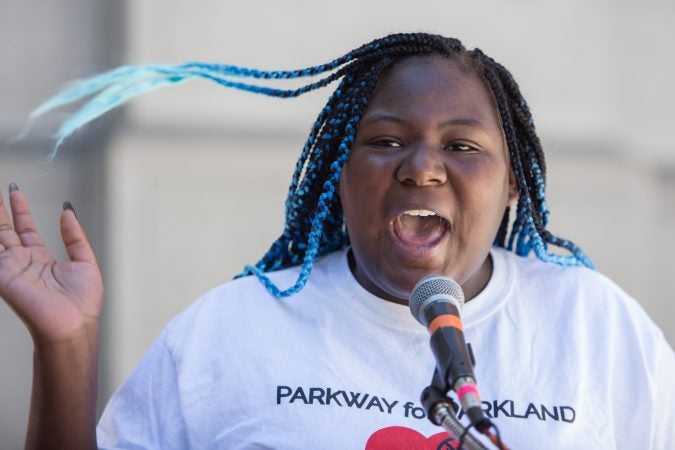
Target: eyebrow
[384,117]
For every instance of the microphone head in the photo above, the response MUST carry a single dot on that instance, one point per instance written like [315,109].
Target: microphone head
[434,288]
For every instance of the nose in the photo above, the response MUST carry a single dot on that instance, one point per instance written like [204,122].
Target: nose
[422,165]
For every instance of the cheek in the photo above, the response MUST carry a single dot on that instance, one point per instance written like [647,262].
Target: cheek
[346,192]
[360,184]
[362,197]
[350,198]
[484,192]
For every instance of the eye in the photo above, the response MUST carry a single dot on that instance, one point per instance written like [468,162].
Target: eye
[386,143]
[462,147]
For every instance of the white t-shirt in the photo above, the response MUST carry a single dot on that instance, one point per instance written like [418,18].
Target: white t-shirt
[565,360]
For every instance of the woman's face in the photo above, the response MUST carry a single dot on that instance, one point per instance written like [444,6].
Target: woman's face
[427,181]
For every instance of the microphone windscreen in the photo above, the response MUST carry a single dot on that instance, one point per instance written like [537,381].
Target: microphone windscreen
[434,288]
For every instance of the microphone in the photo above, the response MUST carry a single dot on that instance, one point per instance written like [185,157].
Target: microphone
[435,302]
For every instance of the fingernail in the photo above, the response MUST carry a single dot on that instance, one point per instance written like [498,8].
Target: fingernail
[69,206]
[13,187]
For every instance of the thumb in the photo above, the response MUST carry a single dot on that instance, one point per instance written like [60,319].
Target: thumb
[74,238]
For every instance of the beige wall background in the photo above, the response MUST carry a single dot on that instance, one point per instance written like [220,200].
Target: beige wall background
[186,185]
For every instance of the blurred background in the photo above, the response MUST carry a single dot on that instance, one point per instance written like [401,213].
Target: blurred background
[183,187]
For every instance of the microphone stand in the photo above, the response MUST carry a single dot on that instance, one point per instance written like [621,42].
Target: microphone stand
[442,410]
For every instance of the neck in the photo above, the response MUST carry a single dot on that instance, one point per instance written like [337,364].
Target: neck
[471,288]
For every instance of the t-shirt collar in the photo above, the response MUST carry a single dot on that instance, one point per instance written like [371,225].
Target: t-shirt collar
[394,315]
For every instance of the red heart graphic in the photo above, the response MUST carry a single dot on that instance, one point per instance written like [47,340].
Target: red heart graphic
[402,438]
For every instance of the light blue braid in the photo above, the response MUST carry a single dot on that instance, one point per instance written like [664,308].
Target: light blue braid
[111,89]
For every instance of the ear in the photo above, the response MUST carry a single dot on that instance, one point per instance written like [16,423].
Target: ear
[513,189]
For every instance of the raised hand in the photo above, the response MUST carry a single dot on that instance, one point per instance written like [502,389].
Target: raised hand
[60,303]
[57,300]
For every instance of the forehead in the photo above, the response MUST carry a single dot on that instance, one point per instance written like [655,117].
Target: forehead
[434,86]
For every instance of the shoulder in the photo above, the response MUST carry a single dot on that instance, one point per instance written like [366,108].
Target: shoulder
[242,303]
[578,294]
[561,281]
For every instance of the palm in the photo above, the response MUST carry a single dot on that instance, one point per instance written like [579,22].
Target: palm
[56,299]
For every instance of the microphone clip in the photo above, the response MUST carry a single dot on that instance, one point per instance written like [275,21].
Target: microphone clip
[442,411]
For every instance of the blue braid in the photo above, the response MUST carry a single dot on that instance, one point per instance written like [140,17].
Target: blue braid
[230,70]
[302,160]
[317,229]
[518,224]
[529,228]
[111,89]
[541,190]
[319,241]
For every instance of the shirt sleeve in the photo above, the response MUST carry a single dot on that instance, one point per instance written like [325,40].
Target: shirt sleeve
[145,410]
[664,397]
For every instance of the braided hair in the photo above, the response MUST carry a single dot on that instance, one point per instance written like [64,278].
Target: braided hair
[314,223]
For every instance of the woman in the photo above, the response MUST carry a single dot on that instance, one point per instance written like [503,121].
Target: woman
[411,169]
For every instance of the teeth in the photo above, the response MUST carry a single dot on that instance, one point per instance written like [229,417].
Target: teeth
[419,212]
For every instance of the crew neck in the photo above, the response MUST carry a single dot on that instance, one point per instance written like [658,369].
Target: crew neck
[397,316]
[497,291]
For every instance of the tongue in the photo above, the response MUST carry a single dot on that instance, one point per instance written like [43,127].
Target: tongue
[418,230]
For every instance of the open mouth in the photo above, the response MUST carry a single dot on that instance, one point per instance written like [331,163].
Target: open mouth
[419,227]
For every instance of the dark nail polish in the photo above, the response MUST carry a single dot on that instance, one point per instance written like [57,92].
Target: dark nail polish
[69,206]
[13,187]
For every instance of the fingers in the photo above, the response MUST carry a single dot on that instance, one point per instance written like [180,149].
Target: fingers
[23,219]
[25,233]
[74,238]
[8,237]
